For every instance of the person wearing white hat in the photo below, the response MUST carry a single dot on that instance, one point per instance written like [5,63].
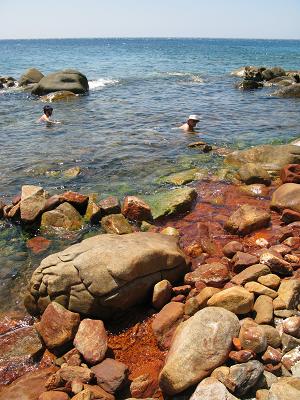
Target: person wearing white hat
[190,123]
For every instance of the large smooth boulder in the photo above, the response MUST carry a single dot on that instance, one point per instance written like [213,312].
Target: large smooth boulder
[286,196]
[289,91]
[270,157]
[201,344]
[106,273]
[32,75]
[68,79]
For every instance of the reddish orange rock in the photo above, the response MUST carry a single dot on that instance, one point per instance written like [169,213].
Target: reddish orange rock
[289,216]
[214,274]
[136,209]
[241,356]
[110,205]
[110,374]
[54,395]
[272,356]
[237,343]
[91,340]
[58,326]
[290,173]
[77,200]
[38,244]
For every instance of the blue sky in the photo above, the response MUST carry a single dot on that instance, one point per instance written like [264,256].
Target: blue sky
[274,19]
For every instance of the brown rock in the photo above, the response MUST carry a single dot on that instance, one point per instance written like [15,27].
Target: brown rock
[270,280]
[76,386]
[214,274]
[14,212]
[58,325]
[191,306]
[290,173]
[184,289]
[243,377]
[251,173]
[136,209]
[236,299]
[54,395]
[289,216]
[276,263]
[262,394]
[289,292]
[289,342]
[291,358]
[263,307]
[142,387]
[250,274]
[86,394]
[93,212]
[180,298]
[247,219]
[69,373]
[291,326]
[253,338]
[286,196]
[281,248]
[162,293]
[205,294]
[72,358]
[77,200]
[259,289]
[64,216]
[231,248]
[287,388]
[116,223]
[91,340]
[110,205]
[165,323]
[272,356]
[33,200]
[272,335]
[243,260]
[98,392]
[241,356]
[110,374]
[38,244]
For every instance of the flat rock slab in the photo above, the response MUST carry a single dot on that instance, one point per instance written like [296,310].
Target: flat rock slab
[106,273]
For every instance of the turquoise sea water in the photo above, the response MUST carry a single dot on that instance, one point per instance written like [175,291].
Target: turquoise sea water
[122,134]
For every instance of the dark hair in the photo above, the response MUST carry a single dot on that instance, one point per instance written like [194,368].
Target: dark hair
[47,108]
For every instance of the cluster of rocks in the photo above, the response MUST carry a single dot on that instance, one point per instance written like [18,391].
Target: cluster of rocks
[71,210]
[60,85]
[257,77]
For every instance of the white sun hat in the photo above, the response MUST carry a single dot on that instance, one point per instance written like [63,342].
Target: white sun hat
[194,117]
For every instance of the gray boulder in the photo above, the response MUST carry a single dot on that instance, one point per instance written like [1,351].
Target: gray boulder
[105,273]
[30,76]
[289,91]
[270,157]
[200,344]
[69,79]
[212,389]
[243,377]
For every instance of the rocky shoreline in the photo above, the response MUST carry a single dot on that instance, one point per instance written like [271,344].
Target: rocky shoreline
[205,305]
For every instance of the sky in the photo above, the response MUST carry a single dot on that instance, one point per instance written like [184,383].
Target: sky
[266,19]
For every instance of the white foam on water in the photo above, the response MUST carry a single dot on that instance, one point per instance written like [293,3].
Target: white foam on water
[101,83]
[193,77]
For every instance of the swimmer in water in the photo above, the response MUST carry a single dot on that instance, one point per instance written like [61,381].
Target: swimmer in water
[190,123]
[48,110]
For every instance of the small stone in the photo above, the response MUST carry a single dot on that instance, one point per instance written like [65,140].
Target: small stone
[53,395]
[38,244]
[170,231]
[250,274]
[58,325]
[263,307]
[291,358]
[253,338]
[270,280]
[231,248]
[110,205]
[285,389]
[236,299]
[98,392]
[180,298]
[292,259]
[116,223]
[251,173]
[241,356]
[72,172]
[291,326]
[162,293]
[289,342]
[220,373]
[272,335]
[165,323]
[243,260]
[262,394]
[86,394]
[91,340]
[76,386]
[77,200]
[261,242]
[282,249]
[259,289]
[285,313]
[64,216]
[136,209]
[289,216]
[110,374]
[33,200]
[214,274]
[69,373]
[243,377]
[184,289]
[276,263]
[289,292]
[142,386]
[210,388]
[272,356]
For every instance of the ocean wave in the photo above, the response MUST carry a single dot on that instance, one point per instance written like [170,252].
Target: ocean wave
[186,75]
[101,83]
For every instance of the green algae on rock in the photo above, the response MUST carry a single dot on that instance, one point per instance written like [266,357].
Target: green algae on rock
[181,178]
[171,202]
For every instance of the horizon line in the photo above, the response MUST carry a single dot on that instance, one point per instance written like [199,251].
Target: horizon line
[149,37]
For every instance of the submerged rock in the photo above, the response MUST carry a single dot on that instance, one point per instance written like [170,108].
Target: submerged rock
[252,173]
[69,79]
[106,273]
[64,216]
[171,202]
[181,178]
[201,344]
[289,91]
[58,96]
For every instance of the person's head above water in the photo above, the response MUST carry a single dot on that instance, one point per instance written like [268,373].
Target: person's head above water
[193,120]
[48,110]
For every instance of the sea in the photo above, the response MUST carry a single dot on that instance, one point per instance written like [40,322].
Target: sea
[124,134]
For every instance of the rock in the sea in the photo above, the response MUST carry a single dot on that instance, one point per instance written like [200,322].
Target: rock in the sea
[58,326]
[249,84]
[289,91]
[77,200]
[235,299]
[72,172]
[107,273]
[65,95]
[69,79]
[32,75]
[243,377]
[181,178]
[33,201]
[110,374]
[116,223]
[91,340]
[64,216]
[212,389]
[201,344]
[252,173]
[247,219]
[136,209]
[286,196]
[110,205]
[290,174]
[270,157]
[171,202]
